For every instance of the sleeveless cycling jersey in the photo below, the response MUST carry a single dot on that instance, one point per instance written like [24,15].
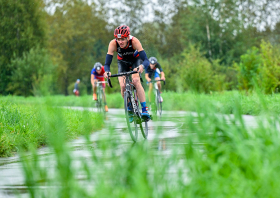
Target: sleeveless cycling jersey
[128,53]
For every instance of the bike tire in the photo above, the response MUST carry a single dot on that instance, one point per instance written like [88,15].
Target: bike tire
[144,130]
[99,99]
[132,127]
[103,101]
[159,104]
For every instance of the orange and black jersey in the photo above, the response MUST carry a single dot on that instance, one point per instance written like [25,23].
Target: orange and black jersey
[128,53]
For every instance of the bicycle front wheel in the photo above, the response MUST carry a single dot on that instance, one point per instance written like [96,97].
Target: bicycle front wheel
[100,99]
[144,129]
[159,103]
[130,118]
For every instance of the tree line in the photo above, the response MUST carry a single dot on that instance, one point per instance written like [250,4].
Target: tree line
[202,46]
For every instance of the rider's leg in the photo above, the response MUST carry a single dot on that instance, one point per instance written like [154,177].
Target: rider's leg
[141,95]
[105,103]
[94,86]
[94,89]
[122,85]
[139,88]
[158,84]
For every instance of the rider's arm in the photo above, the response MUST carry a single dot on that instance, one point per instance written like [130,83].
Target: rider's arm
[142,54]
[162,75]
[161,71]
[147,77]
[109,57]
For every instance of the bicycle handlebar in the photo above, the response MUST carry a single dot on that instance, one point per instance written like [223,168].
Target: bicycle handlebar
[120,74]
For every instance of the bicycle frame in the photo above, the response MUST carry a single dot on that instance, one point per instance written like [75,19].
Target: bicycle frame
[129,87]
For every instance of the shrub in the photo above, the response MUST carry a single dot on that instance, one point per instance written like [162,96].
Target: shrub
[269,74]
[197,74]
[248,69]
[32,74]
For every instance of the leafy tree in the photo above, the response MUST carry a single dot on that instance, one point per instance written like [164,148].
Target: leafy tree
[22,27]
[78,39]
[32,74]
[196,73]
[260,67]
[269,72]
[248,69]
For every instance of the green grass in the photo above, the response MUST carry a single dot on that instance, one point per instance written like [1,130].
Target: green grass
[23,125]
[218,156]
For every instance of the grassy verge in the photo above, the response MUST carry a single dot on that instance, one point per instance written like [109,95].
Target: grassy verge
[251,104]
[24,125]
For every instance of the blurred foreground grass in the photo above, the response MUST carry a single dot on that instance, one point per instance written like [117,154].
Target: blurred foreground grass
[216,156]
[24,124]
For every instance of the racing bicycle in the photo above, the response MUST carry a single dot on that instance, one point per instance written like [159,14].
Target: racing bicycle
[158,102]
[131,106]
[100,102]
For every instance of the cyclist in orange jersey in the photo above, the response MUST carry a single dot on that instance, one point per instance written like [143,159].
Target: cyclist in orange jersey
[131,56]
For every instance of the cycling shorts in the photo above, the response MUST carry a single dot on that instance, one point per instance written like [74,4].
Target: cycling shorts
[126,66]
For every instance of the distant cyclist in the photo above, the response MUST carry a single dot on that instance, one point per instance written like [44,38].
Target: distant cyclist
[76,88]
[97,74]
[131,56]
[155,72]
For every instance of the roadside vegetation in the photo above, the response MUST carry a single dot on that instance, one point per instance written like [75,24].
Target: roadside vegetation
[25,125]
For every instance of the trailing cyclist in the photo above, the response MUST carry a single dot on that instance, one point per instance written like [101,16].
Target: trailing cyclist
[131,56]
[97,74]
[154,71]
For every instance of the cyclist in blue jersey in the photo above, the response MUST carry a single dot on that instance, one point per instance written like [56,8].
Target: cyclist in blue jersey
[154,71]
[131,56]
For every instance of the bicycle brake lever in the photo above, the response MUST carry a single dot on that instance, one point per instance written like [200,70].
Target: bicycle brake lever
[109,81]
[141,78]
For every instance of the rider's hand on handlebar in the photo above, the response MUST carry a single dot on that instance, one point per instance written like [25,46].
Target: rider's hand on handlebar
[139,69]
[162,78]
[106,74]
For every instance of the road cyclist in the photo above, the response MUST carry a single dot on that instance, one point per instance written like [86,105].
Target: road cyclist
[98,86]
[154,74]
[131,56]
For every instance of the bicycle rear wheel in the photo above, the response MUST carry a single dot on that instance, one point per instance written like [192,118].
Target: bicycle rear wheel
[132,126]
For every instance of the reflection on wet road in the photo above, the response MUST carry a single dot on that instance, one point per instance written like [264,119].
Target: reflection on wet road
[172,131]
